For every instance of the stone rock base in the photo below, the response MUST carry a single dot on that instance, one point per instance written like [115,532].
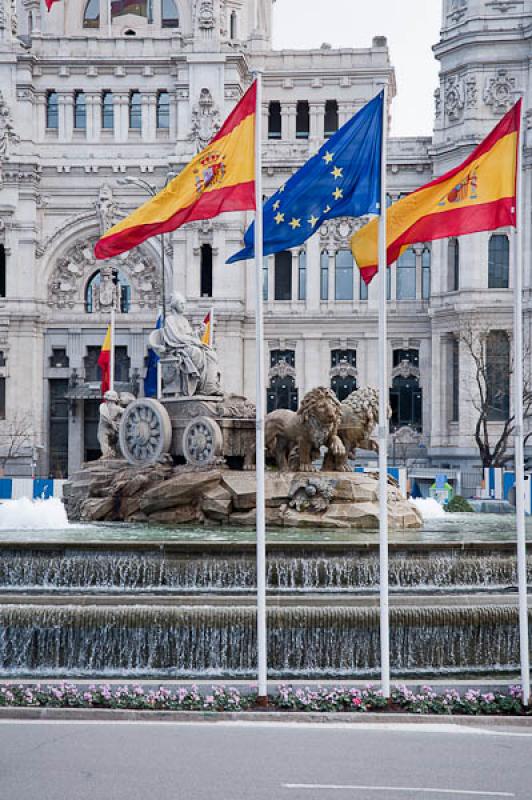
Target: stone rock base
[163,494]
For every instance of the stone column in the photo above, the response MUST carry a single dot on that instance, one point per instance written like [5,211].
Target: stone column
[92,101]
[61,116]
[121,116]
[418,251]
[152,116]
[285,122]
[313,274]
[316,120]
[69,116]
[270,260]
[292,110]
[145,130]
[345,112]
[40,117]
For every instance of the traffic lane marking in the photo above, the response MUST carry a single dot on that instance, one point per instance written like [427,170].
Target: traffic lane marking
[424,789]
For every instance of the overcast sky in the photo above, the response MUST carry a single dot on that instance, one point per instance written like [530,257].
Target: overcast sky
[411,26]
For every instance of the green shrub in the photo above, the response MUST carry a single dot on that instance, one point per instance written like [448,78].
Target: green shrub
[457,504]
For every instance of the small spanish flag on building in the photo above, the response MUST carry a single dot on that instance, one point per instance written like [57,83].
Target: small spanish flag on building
[478,195]
[208,332]
[104,362]
[221,178]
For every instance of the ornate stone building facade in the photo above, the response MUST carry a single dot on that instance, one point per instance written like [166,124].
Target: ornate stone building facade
[95,113]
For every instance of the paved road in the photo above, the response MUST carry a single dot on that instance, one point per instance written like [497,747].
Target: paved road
[261,761]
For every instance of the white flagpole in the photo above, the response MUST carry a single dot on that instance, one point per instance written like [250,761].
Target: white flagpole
[517,249]
[112,354]
[109,19]
[262,668]
[211,327]
[383,418]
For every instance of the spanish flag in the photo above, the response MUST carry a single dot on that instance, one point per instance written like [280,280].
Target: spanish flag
[220,178]
[209,330]
[478,195]
[104,362]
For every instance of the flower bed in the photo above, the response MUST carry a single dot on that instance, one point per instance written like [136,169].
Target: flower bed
[286,698]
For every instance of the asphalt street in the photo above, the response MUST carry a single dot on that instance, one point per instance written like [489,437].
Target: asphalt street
[261,761]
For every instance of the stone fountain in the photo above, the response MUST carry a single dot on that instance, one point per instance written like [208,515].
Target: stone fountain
[190,456]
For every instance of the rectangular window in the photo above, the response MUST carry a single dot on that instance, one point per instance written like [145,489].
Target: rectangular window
[274,120]
[52,111]
[344,275]
[455,370]
[425,278]
[2,271]
[302,276]
[302,120]
[324,275]
[406,276]
[331,118]
[498,375]
[363,293]
[108,119]
[163,111]
[2,398]
[453,264]
[265,281]
[80,111]
[283,275]
[135,111]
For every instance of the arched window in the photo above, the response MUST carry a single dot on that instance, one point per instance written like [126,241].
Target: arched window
[499,262]
[283,275]
[453,265]
[302,120]
[135,110]
[425,276]
[107,110]
[2,271]
[406,396]
[52,112]
[324,275]
[232,25]
[80,111]
[91,15]
[498,375]
[169,14]
[406,275]
[282,392]
[343,372]
[96,287]
[274,120]
[344,275]
[331,118]
[163,110]
[141,8]
[302,275]
[206,271]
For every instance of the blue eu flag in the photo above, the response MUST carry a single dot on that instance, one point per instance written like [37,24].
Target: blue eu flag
[150,380]
[342,180]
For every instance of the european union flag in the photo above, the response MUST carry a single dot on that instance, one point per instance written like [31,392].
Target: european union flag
[342,180]
[150,381]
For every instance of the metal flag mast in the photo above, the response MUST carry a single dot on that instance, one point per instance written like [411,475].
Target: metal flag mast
[262,668]
[383,416]
[517,250]
[112,344]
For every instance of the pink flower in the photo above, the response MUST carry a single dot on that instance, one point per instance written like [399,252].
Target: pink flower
[357,701]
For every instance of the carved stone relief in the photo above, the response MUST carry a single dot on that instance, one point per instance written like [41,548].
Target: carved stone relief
[499,93]
[106,208]
[471,91]
[8,137]
[336,233]
[437,103]
[205,120]
[457,10]
[69,278]
[454,97]
[504,5]
[406,370]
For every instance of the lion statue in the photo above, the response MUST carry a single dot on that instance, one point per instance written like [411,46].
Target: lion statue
[360,415]
[294,438]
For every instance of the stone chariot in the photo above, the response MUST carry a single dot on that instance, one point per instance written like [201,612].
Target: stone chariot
[194,421]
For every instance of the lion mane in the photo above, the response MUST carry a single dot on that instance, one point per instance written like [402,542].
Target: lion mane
[295,437]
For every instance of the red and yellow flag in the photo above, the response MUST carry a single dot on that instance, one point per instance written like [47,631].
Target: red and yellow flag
[478,195]
[220,178]
[104,362]
[208,330]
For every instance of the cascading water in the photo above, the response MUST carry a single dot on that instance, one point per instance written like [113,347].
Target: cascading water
[56,571]
[26,514]
[429,507]
[314,642]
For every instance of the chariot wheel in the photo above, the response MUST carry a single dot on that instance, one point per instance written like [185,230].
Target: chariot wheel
[202,442]
[145,432]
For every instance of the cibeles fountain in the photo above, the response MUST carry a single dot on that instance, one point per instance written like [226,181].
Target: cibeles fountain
[190,456]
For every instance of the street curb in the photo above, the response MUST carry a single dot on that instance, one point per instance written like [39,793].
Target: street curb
[125,715]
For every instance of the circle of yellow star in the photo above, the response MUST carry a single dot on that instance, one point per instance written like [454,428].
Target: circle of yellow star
[337,172]
[326,209]
[295,223]
[328,157]
[338,194]
[279,218]
[276,205]
[313,221]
